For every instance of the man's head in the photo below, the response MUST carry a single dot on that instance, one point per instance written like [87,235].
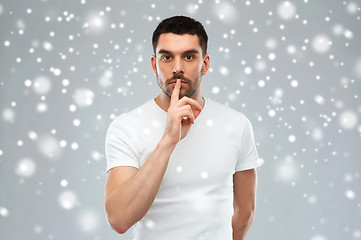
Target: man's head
[181,25]
[180,46]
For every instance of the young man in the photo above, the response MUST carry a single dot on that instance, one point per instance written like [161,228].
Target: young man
[181,166]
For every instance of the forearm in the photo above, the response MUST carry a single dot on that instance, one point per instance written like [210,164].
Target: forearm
[244,204]
[128,203]
[241,223]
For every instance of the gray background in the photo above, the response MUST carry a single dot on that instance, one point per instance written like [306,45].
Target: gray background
[68,67]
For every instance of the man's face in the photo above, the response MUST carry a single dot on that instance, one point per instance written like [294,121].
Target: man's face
[179,56]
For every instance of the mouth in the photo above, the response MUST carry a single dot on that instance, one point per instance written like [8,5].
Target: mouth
[182,85]
[174,82]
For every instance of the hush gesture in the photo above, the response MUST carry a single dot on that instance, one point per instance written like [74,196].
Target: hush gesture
[181,115]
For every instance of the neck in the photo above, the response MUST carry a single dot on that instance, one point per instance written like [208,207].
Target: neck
[163,101]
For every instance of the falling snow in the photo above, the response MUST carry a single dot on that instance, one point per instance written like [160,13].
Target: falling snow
[292,67]
[41,85]
[286,10]
[67,199]
[4,212]
[25,168]
[88,221]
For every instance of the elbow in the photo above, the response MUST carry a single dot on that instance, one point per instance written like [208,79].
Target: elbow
[241,225]
[118,226]
[245,214]
[116,218]
[120,218]
[249,217]
[243,220]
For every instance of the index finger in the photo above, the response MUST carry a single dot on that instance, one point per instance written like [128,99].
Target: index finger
[175,95]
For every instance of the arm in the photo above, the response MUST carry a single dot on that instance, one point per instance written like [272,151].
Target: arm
[244,202]
[130,192]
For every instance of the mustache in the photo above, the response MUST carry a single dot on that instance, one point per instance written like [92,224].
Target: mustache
[178,76]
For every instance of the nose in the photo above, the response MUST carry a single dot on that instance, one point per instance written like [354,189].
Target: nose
[178,67]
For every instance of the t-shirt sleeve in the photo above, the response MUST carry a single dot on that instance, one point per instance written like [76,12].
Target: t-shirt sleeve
[120,146]
[248,156]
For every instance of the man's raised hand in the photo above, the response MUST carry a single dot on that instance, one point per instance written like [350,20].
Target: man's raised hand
[181,115]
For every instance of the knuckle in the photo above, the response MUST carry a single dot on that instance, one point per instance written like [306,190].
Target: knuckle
[185,99]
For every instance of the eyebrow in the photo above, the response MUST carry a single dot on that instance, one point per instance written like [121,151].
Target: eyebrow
[191,51]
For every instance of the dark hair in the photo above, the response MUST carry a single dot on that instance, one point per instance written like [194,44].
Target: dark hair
[181,25]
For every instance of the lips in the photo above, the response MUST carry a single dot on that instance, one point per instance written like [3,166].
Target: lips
[177,76]
[173,82]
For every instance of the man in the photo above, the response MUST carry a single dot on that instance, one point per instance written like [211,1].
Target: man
[181,166]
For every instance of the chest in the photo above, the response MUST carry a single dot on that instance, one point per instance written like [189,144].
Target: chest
[207,156]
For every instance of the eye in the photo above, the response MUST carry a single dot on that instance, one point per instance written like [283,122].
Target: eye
[189,57]
[166,58]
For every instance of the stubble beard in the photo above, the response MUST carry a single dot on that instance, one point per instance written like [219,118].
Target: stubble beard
[189,92]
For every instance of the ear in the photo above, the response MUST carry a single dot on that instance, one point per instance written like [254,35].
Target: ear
[206,64]
[153,62]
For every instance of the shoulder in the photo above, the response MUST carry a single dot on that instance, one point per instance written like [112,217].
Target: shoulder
[135,114]
[227,113]
[131,119]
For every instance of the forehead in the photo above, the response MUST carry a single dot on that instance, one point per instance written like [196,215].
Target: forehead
[178,43]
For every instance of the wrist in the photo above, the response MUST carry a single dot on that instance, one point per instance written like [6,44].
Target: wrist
[167,143]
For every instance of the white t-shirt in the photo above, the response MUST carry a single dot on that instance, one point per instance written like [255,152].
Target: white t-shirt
[195,198]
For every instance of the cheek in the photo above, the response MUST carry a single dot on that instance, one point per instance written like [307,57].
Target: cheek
[197,69]
[160,71]
[199,66]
